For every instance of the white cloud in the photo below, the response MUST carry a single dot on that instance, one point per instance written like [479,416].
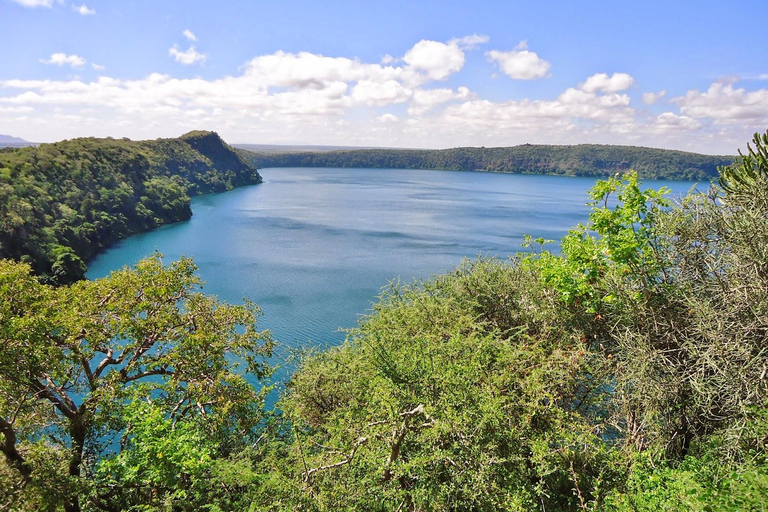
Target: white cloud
[269,85]
[571,107]
[650,98]
[83,9]
[726,104]
[312,98]
[190,56]
[669,121]
[470,42]
[368,92]
[309,70]
[388,118]
[98,67]
[426,99]
[189,35]
[16,110]
[437,60]
[61,59]
[602,82]
[764,76]
[36,3]
[520,63]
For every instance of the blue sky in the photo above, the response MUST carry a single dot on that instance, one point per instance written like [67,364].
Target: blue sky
[674,74]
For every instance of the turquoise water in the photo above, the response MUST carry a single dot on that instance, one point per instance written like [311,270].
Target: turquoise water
[314,247]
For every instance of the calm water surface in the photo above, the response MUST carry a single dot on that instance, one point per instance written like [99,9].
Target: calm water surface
[314,247]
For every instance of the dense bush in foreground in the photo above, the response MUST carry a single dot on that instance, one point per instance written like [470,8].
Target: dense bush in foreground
[625,372]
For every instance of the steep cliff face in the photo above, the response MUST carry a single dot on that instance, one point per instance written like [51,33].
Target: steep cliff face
[60,204]
[221,154]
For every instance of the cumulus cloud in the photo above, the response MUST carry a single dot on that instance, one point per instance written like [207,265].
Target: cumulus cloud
[573,106]
[188,57]
[368,92]
[388,118]
[189,35]
[726,104]
[311,98]
[61,59]
[424,100]
[435,59]
[36,3]
[669,121]
[520,63]
[650,98]
[98,67]
[296,91]
[83,10]
[604,83]
[274,84]
[16,110]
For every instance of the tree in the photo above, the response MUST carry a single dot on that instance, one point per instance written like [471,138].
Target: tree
[674,300]
[76,362]
[461,393]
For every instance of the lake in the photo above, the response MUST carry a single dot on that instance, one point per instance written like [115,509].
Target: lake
[314,247]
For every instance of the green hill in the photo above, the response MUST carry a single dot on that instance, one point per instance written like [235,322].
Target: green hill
[581,160]
[60,204]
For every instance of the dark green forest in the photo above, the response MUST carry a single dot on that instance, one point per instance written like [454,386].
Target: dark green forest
[582,160]
[62,203]
[622,369]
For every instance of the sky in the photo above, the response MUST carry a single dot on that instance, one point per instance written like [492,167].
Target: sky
[677,74]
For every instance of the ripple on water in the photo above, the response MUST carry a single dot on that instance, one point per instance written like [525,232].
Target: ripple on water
[314,247]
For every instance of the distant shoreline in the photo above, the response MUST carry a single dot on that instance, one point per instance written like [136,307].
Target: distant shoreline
[590,160]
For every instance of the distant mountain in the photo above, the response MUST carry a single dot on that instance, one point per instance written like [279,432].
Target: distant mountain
[580,160]
[14,142]
[60,204]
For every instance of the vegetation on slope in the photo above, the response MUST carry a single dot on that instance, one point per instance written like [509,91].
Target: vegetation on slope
[581,160]
[625,372]
[60,204]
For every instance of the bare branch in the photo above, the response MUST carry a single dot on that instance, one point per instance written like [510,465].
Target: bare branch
[399,435]
[42,391]
[348,460]
[148,373]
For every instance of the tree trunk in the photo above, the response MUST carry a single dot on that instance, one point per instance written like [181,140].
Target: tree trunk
[77,432]
[12,455]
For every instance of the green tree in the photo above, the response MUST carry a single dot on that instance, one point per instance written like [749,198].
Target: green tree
[461,393]
[674,302]
[76,361]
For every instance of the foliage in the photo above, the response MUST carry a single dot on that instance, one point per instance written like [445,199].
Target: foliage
[648,336]
[581,160]
[62,203]
[698,483]
[162,461]
[78,362]
[625,372]
[460,394]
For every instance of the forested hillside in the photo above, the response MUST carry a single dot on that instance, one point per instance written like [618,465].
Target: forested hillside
[62,203]
[581,160]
